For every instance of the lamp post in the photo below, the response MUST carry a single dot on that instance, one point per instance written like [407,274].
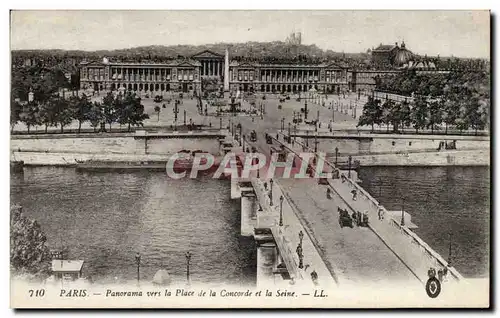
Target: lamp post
[138,263]
[176,111]
[449,253]
[305,110]
[301,256]
[336,155]
[307,138]
[316,142]
[243,144]
[403,213]
[333,114]
[184,117]
[188,259]
[220,121]
[379,189]
[289,134]
[295,133]
[240,134]
[350,162]
[281,210]
[271,192]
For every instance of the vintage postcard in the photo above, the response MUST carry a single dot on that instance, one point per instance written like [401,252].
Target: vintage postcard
[250,159]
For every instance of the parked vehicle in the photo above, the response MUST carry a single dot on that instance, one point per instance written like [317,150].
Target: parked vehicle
[344,218]
[253,136]
[269,140]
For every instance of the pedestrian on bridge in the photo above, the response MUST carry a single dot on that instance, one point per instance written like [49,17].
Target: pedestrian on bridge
[380,212]
[354,194]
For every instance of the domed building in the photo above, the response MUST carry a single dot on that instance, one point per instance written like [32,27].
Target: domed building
[393,55]
[402,56]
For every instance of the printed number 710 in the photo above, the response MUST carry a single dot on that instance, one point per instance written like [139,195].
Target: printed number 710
[37,293]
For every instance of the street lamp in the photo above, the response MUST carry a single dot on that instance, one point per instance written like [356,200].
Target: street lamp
[350,162]
[316,142]
[240,133]
[403,213]
[243,144]
[271,192]
[289,134]
[188,259]
[281,210]
[295,133]
[336,155]
[184,117]
[138,262]
[300,255]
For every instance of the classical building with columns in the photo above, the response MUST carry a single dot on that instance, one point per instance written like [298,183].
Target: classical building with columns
[277,78]
[187,75]
[181,76]
[153,78]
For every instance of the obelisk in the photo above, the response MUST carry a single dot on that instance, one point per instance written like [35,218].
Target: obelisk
[226,71]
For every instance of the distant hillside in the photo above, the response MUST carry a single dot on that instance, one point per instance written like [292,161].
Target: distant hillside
[266,52]
[252,50]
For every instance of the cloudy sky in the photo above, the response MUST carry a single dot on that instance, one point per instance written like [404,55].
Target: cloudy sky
[458,33]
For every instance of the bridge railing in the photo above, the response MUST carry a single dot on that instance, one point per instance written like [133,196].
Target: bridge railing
[286,236]
[374,204]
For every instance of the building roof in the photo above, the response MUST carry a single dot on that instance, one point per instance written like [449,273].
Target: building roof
[384,48]
[402,56]
[66,265]
[180,62]
[207,54]
[284,65]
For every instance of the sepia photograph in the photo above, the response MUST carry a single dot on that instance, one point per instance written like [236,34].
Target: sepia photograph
[250,159]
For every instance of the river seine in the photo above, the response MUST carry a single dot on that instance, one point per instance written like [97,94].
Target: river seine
[106,218]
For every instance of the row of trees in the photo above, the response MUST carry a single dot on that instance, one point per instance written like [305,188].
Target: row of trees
[434,84]
[58,111]
[462,112]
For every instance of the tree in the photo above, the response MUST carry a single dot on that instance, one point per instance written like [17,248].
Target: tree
[81,107]
[30,115]
[132,112]
[15,111]
[95,115]
[29,253]
[372,113]
[63,113]
[419,113]
[387,113]
[47,115]
[435,114]
[405,114]
[475,114]
[109,105]
[157,110]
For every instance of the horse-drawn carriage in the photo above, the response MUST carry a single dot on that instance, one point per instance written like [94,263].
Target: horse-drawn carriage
[269,139]
[344,218]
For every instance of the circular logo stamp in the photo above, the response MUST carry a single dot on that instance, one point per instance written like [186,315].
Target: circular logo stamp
[433,287]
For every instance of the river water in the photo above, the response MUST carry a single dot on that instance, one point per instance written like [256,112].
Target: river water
[106,218]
